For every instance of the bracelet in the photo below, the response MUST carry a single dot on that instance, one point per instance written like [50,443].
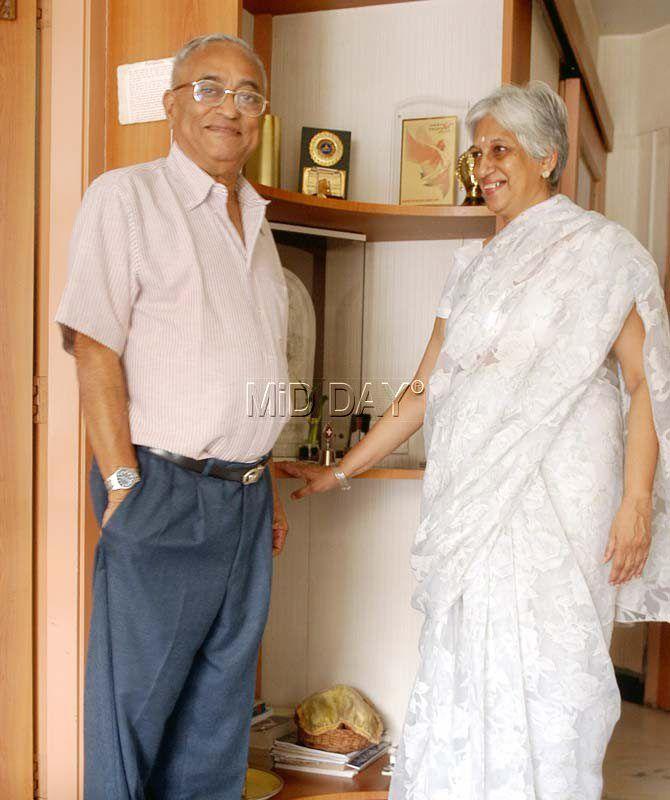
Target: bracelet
[342,479]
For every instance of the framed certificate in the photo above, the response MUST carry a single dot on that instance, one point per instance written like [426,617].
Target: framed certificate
[428,161]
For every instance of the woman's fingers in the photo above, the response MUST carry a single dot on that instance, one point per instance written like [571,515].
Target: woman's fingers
[302,492]
[620,565]
[609,550]
[626,566]
[629,567]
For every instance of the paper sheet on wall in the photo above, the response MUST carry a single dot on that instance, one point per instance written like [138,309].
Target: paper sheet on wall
[140,88]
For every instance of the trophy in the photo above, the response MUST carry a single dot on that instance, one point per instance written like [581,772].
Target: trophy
[328,453]
[465,171]
[263,166]
[324,162]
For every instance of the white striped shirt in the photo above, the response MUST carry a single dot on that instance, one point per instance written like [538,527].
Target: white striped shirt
[159,274]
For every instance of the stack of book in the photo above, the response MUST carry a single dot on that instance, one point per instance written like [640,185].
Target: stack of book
[261,711]
[264,731]
[288,754]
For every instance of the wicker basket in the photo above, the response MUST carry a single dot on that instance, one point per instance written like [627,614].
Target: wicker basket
[340,740]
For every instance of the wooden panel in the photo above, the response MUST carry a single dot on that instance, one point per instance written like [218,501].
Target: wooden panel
[570,92]
[369,785]
[545,52]
[663,694]
[148,30]
[566,16]
[585,143]
[263,44]
[517,23]
[590,141]
[18,66]
[379,222]
[302,6]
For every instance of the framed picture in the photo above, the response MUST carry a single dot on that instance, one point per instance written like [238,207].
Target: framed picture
[428,161]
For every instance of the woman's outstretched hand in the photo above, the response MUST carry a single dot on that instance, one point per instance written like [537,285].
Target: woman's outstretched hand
[630,540]
[317,479]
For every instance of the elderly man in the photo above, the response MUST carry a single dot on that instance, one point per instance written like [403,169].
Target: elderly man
[175,301]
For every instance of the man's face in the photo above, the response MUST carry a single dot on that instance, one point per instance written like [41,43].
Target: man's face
[219,139]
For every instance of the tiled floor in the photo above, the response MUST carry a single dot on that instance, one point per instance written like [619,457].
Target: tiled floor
[637,766]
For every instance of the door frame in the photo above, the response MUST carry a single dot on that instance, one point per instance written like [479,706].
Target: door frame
[18,68]
[70,139]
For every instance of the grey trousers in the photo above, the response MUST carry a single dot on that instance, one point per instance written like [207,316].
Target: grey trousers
[180,600]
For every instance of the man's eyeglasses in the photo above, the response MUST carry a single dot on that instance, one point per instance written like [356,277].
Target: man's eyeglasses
[213,93]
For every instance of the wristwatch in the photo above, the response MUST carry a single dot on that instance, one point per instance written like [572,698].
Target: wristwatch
[342,479]
[122,478]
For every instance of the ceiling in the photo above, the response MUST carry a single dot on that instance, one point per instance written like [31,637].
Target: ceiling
[631,16]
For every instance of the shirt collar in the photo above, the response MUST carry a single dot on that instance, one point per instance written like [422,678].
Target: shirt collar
[195,184]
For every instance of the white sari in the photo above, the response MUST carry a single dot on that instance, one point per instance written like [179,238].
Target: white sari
[516,698]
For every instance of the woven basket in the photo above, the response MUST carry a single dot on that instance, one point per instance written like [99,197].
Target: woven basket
[340,740]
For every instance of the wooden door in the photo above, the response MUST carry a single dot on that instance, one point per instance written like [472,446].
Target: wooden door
[583,179]
[18,52]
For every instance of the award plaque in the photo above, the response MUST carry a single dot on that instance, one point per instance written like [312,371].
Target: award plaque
[324,162]
[465,170]
[263,165]
[428,161]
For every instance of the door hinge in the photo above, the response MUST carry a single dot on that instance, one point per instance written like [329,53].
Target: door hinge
[39,399]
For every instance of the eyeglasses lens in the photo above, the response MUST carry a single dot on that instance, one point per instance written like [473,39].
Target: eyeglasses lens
[212,93]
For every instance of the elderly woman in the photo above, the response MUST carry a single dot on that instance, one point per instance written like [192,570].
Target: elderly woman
[540,524]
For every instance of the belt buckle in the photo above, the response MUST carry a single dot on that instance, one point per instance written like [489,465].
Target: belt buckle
[253,474]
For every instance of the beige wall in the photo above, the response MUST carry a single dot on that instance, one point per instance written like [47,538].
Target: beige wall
[633,72]
[341,597]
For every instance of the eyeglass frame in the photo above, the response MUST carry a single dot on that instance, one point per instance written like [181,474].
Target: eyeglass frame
[226,92]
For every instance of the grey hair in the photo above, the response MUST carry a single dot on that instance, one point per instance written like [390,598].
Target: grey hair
[216,38]
[535,114]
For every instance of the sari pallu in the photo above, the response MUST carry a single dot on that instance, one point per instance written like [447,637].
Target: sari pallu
[515,696]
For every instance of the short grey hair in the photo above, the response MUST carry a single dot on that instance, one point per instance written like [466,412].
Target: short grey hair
[199,42]
[535,114]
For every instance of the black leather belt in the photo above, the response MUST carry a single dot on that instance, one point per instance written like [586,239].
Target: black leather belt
[245,475]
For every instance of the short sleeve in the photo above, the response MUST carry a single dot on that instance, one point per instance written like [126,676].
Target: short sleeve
[101,284]
[462,257]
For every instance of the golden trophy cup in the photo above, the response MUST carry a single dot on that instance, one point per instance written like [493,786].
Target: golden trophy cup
[465,172]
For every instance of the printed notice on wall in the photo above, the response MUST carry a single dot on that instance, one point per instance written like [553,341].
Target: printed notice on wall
[141,86]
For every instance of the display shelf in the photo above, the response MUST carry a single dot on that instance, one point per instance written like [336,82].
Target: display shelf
[376,473]
[302,6]
[376,221]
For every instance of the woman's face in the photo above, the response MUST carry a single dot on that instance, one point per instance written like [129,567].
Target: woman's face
[511,181]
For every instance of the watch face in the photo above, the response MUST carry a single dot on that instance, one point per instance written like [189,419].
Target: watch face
[126,477]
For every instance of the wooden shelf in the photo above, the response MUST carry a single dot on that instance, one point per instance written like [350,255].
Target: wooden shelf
[369,785]
[379,222]
[301,6]
[376,473]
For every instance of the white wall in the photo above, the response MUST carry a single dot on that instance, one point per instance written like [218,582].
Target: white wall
[341,598]
[633,71]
